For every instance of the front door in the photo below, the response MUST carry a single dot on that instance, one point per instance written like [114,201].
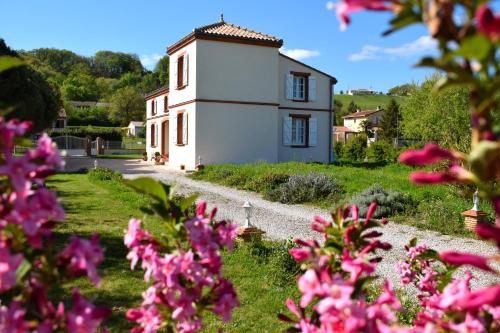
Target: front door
[164,138]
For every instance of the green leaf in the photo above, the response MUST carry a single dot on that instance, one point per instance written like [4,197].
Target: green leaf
[429,254]
[8,62]
[187,202]
[150,186]
[405,18]
[413,242]
[22,270]
[475,47]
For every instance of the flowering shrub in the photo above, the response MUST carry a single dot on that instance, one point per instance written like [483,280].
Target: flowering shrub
[30,266]
[338,273]
[184,264]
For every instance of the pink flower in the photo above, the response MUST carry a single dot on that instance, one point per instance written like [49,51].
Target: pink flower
[300,254]
[470,325]
[430,154]
[226,301]
[226,234]
[85,317]
[8,266]
[488,23]
[309,286]
[12,319]
[414,252]
[459,259]
[371,211]
[479,298]
[81,257]
[356,267]
[46,155]
[347,7]
[135,235]
[18,170]
[422,177]
[9,130]
[488,232]
[405,271]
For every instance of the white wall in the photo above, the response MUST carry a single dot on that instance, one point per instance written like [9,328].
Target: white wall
[158,118]
[318,153]
[236,72]
[189,92]
[235,133]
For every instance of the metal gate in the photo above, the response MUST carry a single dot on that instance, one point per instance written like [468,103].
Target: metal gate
[93,148]
[72,145]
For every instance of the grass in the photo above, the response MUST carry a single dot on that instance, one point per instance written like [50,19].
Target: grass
[368,101]
[104,207]
[437,207]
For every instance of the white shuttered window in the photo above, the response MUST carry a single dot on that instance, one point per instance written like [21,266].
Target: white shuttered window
[312,88]
[313,131]
[287,131]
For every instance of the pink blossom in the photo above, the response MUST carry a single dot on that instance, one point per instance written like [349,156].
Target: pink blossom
[310,286]
[459,259]
[371,211]
[81,257]
[430,154]
[226,234]
[46,155]
[405,271]
[488,23]
[8,265]
[300,254]
[12,319]
[415,251]
[479,298]
[422,177]
[356,267]
[135,235]
[488,232]
[347,7]
[226,301]
[18,169]
[149,319]
[9,130]
[84,317]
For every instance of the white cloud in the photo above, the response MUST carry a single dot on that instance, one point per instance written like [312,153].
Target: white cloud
[372,52]
[149,60]
[330,5]
[299,54]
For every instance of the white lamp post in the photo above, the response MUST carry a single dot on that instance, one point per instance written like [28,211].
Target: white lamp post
[96,164]
[476,201]
[247,206]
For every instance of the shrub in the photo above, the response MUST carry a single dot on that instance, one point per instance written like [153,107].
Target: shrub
[388,203]
[382,151]
[104,174]
[355,149]
[107,133]
[268,182]
[283,269]
[338,149]
[306,188]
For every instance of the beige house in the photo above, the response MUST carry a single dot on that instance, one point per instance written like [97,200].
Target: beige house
[234,98]
[134,128]
[355,123]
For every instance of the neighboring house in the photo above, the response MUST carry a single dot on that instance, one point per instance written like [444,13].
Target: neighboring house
[60,123]
[234,98]
[360,91]
[88,104]
[135,127]
[355,123]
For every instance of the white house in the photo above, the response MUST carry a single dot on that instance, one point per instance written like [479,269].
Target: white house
[234,98]
[360,91]
[135,127]
[356,122]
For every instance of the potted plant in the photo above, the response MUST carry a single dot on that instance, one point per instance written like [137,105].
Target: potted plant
[144,156]
[158,159]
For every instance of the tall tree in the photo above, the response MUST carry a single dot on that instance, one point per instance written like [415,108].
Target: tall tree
[115,64]
[163,70]
[79,86]
[29,95]
[62,61]
[127,104]
[338,111]
[401,90]
[352,107]
[389,122]
[442,118]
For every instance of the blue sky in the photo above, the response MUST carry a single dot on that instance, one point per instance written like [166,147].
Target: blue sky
[358,57]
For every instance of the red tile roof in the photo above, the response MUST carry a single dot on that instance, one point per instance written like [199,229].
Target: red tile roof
[224,29]
[361,114]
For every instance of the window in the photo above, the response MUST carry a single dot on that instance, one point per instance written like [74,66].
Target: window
[153,135]
[180,128]
[182,71]
[299,131]
[299,88]
[165,104]
[153,107]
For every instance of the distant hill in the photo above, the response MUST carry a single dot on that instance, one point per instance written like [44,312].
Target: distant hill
[368,101]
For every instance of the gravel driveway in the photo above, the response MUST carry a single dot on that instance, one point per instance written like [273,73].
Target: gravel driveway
[281,221]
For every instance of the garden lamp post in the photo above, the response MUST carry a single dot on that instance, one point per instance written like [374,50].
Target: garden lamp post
[247,206]
[96,164]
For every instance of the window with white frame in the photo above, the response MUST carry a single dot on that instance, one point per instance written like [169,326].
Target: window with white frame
[298,131]
[299,88]
[181,71]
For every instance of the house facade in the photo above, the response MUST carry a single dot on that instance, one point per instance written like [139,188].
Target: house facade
[356,123]
[134,128]
[234,98]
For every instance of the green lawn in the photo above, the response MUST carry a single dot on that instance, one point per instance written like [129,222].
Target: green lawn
[437,207]
[106,206]
[368,101]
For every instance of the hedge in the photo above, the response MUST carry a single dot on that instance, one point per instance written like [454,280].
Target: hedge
[107,133]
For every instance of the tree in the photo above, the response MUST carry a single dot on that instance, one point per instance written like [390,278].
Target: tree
[401,90]
[79,86]
[28,93]
[150,81]
[105,87]
[115,64]
[438,117]
[62,61]
[338,112]
[163,70]
[127,104]
[352,107]
[389,123]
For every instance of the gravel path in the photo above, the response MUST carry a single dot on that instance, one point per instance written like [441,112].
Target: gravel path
[281,221]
